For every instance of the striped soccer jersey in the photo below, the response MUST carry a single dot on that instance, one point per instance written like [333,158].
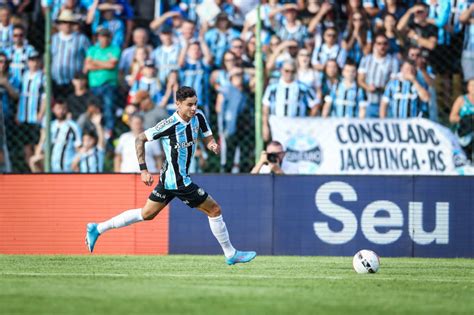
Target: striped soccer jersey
[402,98]
[92,161]
[166,60]
[347,100]
[66,137]
[31,95]
[151,85]
[179,139]
[289,99]
[18,57]
[378,72]
[68,55]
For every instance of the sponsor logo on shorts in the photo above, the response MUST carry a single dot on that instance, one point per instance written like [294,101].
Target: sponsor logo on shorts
[157,194]
[201,192]
[186,202]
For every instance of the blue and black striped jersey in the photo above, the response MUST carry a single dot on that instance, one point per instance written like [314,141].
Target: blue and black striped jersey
[179,139]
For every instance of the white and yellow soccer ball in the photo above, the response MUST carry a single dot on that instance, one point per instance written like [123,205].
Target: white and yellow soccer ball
[366,261]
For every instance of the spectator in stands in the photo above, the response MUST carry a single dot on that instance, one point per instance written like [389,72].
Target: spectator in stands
[187,33]
[18,52]
[219,37]
[68,50]
[395,39]
[106,19]
[91,155]
[101,65]
[237,47]
[370,6]
[329,49]
[467,18]
[231,104]
[177,24]
[289,28]
[304,72]
[324,19]
[149,82]
[375,71]
[77,100]
[285,52]
[151,114]
[414,24]
[347,99]
[6,28]
[248,56]
[221,77]
[288,97]
[390,7]
[327,80]
[168,100]
[404,95]
[270,160]
[138,64]
[31,106]
[140,40]
[9,88]
[66,140]
[166,55]
[462,116]
[357,39]
[93,108]
[125,160]
[195,63]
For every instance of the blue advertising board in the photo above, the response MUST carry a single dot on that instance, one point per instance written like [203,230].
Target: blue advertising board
[422,216]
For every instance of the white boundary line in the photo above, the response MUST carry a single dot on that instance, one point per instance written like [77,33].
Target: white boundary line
[230,275]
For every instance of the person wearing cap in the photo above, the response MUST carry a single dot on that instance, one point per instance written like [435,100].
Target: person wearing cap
[290,28]
[93,108]
[68,50]
[18,52]
[140,40]
[149,82]
[107,20]
[219,37]
[166,55]
[102,68]
[77,99]
[31,106]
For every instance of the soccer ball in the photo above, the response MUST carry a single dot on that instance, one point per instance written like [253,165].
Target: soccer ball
[366,261]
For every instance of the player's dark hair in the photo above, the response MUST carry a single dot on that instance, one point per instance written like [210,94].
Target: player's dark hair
[184,92]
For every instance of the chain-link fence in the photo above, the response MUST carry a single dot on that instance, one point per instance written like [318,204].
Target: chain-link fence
[113,61]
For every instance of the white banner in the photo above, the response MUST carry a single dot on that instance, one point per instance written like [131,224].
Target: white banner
[367,146]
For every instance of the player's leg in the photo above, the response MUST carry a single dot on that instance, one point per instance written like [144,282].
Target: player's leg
[218,227]
[158,199]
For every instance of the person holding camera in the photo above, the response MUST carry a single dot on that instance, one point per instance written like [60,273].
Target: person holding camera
[270,160]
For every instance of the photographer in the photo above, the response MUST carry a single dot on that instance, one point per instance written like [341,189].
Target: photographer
[270,160]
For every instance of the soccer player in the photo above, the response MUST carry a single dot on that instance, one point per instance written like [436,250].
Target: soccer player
[178,135]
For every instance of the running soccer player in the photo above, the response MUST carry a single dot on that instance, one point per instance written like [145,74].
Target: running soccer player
[178,134]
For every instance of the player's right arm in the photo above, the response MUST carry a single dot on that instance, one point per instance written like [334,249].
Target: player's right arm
[140,141]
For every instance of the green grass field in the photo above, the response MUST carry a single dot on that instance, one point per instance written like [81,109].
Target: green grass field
[205,285]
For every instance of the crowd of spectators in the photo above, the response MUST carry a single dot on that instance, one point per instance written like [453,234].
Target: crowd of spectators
[116,65]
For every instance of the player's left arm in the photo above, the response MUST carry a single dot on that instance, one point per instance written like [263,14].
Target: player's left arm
[211,144]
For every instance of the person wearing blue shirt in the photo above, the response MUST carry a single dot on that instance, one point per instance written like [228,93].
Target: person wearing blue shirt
[104,17]
[219,37]
[347,99]
[404,95]
[18,52]
[231,105]
[195,66]
[91,155]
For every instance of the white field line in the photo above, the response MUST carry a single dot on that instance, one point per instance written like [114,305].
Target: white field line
[228,276]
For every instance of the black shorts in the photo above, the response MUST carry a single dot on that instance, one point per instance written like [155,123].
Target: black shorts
[192,195]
